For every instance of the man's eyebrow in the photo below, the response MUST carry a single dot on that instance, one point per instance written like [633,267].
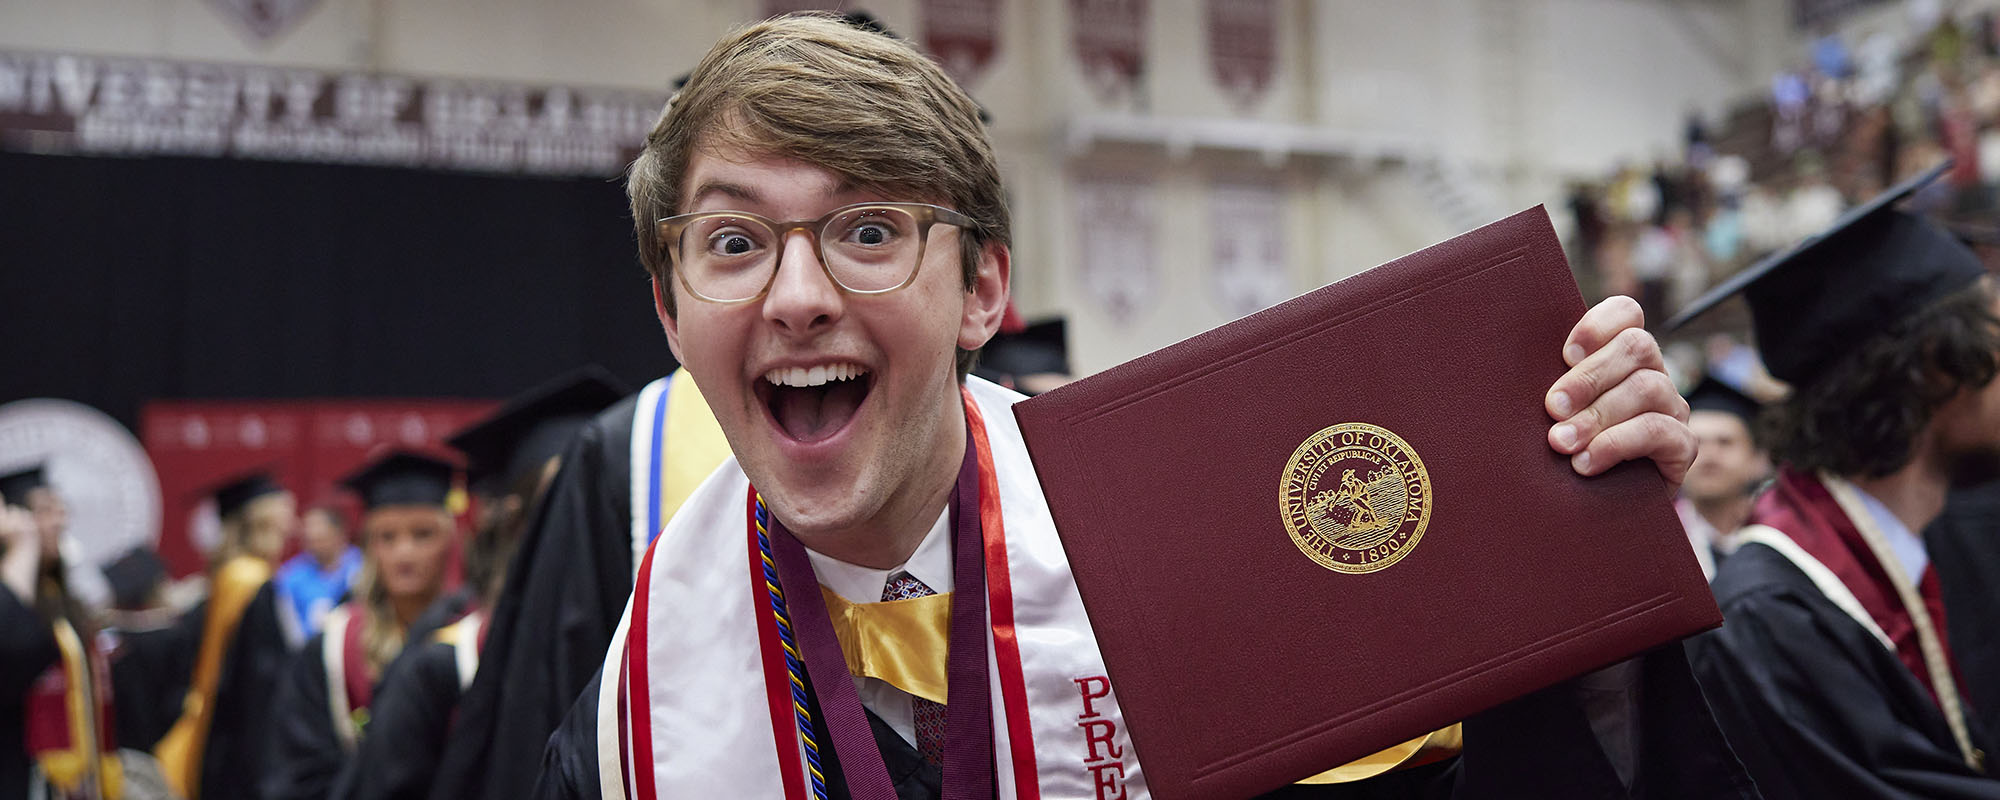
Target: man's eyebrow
[734,191]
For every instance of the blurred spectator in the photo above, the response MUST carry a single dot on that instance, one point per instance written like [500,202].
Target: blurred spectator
[314,581]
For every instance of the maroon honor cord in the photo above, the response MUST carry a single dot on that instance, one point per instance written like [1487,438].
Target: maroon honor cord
[968,747]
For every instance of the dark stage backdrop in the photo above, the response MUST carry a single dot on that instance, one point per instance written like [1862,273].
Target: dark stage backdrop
[129,280]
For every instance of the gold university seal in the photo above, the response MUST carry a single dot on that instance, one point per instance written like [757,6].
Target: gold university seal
[1355,498]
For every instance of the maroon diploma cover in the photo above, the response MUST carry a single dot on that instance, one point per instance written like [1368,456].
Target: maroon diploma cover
[1336,524]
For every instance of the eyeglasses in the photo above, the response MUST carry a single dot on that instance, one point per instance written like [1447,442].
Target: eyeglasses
[866,248]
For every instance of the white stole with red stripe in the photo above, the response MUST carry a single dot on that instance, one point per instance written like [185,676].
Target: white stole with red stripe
[697,722]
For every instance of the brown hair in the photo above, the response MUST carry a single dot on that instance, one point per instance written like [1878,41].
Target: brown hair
[860,104]
[1863,415]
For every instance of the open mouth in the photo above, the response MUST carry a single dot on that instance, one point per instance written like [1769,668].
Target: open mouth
[811,404]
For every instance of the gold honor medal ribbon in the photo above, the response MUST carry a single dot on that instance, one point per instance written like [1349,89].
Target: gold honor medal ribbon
[899,642]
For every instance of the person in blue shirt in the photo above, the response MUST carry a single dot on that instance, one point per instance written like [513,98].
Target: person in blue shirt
[314,581]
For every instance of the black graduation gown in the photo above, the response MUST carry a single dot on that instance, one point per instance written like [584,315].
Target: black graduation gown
[305,753]
[566,589]
[441,612]
[1540,746]
[27,647]
[150,671]
[1814,705]
[233,762]
[1964,544]
[409,720]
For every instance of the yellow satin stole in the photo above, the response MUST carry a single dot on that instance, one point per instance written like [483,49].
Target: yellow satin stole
[693,442]
[180,751]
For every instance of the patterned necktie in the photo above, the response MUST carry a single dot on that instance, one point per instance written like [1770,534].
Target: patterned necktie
[929,714]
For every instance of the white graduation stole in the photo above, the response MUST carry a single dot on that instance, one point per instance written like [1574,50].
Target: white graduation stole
[685,710]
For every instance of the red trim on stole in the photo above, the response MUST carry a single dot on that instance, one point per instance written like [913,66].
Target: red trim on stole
[638,702]
[624,730]
[777,677]
[354,662]
[1000,607]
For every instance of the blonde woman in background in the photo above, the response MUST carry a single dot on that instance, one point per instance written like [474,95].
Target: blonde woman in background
[321,712]
[215,749]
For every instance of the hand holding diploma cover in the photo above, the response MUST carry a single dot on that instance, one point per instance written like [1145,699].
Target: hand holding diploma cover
[1338,524]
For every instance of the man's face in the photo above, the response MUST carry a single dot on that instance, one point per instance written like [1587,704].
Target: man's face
[269,521]
[409,545]
[841,456]
[1728,464]
[323,536]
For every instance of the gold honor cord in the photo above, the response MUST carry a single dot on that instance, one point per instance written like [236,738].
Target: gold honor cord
[1920,618]
[900,642]
[180,751]
[71,770]
[692,442]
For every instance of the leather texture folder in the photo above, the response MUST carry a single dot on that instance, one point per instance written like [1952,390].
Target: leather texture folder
[1336,524]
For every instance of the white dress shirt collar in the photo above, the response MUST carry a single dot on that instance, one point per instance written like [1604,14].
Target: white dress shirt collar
[930,563]
[1908,547]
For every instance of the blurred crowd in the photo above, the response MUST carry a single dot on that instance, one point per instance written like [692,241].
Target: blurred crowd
[1856,118]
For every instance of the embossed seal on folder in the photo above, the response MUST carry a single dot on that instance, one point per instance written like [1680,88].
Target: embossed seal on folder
[1355,498]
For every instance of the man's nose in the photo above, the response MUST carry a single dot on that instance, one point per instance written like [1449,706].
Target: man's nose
[803,299]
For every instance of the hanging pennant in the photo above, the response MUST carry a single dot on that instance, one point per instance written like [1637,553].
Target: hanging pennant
[265,19]
[1110,39]
[1246,246]
[1116,254]
[1243,47]
[963,35]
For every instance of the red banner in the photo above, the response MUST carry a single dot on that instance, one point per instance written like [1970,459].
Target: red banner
[1243,47]
[1110,38]
[963,35]
[307,444]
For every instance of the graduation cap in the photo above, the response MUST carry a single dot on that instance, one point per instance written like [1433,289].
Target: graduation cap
[534,426]
[15,486]
[134,576]
[1873,267]
[1714,395]
[231,497]
[1036,348]
[401,478]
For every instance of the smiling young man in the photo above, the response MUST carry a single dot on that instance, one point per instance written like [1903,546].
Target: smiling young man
[824,221]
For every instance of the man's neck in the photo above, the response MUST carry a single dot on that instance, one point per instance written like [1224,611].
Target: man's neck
[327,561]
[1725,514]
[888,538]
[1915,493]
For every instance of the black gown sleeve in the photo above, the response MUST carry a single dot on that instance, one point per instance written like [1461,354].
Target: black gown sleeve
[27,648]
[569,763]
[566,589]
[1965,551]
[1543,745]
[305,753]
[409,720]
[1814,704]
[150,672]
[233,760]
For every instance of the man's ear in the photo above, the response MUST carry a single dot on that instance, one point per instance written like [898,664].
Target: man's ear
[986,300]
[667,321]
